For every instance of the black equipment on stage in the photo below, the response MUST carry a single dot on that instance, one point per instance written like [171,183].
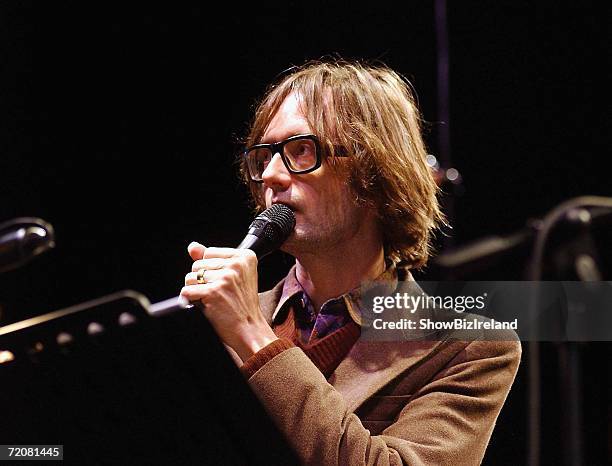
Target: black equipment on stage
[115,382]
[22,239]
[119,379]
[561,246]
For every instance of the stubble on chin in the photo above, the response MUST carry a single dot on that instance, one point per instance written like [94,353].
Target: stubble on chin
[314,240]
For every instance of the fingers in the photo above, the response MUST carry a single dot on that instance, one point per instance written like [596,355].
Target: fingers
[191,278]
[213,259]
[209,275]
[221,266]
[208,264]
[194,293]
[196,250]
[226,253]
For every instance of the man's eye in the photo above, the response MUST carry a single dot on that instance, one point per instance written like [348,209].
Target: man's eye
[304,149]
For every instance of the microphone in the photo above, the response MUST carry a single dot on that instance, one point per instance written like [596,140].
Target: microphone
[266,234]
[22,239]
[269,230]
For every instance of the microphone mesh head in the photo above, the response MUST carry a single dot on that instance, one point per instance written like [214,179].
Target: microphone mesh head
[281,222]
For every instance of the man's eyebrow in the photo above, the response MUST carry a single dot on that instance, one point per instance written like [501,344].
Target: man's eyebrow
[269,140]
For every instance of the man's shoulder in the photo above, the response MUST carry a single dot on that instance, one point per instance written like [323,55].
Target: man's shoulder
[487,338]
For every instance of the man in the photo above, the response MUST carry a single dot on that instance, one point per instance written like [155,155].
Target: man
[340,144]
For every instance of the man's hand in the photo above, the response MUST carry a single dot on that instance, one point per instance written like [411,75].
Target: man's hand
[229,296]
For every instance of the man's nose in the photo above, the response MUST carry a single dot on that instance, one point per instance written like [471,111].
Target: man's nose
[276,176]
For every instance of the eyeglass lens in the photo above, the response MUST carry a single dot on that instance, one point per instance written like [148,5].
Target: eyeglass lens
[300,155]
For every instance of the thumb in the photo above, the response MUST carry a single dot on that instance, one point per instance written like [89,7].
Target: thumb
[196,250]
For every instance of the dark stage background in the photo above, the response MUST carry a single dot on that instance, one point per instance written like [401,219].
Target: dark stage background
[120,125]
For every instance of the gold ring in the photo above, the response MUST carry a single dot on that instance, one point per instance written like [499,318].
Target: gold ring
[200,277]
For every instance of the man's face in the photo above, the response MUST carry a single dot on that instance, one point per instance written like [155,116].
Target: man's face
[325,211]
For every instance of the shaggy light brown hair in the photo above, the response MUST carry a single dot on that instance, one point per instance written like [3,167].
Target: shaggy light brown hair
[370,114]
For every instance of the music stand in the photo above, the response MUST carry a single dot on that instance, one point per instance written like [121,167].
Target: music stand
[115,384]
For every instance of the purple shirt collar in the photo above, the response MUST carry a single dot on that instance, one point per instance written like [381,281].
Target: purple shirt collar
[352,299]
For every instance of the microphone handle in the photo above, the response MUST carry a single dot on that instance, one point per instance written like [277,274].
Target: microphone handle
[258,244]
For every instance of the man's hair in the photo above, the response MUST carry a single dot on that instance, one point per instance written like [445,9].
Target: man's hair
[369,113]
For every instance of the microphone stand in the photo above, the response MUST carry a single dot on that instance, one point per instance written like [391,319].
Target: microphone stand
[573,210]
[580,213]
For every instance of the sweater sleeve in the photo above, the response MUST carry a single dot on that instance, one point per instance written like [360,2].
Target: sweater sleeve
[267,353]
[449,419]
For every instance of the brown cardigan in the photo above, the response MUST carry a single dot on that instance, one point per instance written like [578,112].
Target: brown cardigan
[408,402]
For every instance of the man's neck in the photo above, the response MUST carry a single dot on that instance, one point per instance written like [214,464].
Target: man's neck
[327,276]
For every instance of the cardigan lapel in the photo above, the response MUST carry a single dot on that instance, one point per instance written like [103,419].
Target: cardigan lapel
[268,300]
[370,365]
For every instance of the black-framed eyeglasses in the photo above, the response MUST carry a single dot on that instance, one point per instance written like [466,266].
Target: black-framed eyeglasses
[300,154]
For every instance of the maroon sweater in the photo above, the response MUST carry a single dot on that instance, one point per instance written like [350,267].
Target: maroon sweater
[325,337]
[326,353]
